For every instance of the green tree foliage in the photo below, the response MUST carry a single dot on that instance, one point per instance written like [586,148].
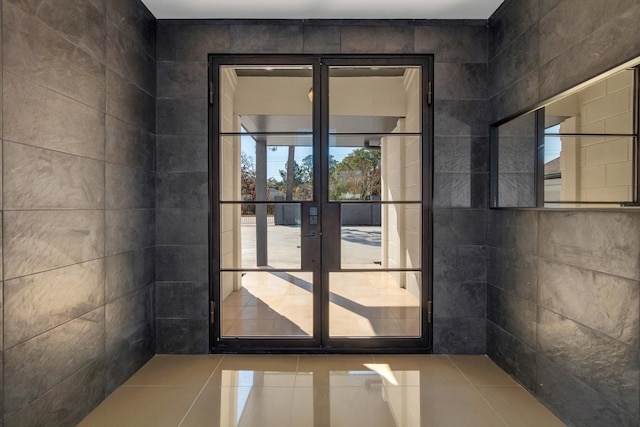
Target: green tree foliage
[357,176]
[247,182]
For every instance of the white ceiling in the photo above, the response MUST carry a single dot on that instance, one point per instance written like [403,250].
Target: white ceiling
[322,9]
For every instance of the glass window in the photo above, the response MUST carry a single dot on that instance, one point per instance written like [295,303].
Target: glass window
[580,150]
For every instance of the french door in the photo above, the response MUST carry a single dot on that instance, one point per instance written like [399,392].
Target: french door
[320,189]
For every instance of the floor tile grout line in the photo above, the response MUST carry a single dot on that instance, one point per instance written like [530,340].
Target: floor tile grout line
[479,392]
[184,417]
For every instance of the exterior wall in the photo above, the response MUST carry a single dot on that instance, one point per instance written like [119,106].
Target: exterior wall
[605,163]
[77,88]
[401,180]
[563,286]
[460,198]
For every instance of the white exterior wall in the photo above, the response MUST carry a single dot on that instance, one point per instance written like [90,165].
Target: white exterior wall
[230,183]
[401,181]
[599,168]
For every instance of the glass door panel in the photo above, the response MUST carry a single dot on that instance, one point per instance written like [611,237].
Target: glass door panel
[266,167]
[320,179]
[381,236]
[375,172]
[375,304]
[266,98]
[267,304]
[265,172]
[374,99]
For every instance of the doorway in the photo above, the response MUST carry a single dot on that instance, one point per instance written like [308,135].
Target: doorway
[320,184]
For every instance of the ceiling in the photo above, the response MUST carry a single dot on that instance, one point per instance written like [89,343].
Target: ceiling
[322,9]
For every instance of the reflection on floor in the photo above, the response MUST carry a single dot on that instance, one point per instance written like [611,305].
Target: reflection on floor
[363,304]
[320,391]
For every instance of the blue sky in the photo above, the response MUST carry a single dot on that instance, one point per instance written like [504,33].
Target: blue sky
[277,155]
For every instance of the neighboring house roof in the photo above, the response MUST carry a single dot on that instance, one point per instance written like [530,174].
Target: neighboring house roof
[552,167]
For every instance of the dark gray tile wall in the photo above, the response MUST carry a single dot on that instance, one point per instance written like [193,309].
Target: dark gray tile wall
[78,141]
[461,159]
[564,286]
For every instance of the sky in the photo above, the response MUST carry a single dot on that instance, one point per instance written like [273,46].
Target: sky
[277,155]
[552,144]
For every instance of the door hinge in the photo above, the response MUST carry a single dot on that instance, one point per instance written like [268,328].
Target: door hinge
[429,94]
[211,94]
[429,311]
[212,311]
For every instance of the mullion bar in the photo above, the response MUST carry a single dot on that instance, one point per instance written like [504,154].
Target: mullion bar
[577,135]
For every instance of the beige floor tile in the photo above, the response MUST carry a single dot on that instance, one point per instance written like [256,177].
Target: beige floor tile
[245,406]
[143,406]
[433,370]
[457,406]
[183,370]
[363,406]
[326,390]
[302,409]
[322,368]
[519,408]
[481,370]
[241,370]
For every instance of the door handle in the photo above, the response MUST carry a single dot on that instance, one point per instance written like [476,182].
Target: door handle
[314,234]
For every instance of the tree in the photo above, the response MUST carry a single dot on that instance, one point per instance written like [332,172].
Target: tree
[357,176]
[298,184]
[247,182]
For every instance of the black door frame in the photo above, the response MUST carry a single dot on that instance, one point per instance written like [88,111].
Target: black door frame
[328,211]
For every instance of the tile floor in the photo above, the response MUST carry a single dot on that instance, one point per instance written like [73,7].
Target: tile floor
[328,390]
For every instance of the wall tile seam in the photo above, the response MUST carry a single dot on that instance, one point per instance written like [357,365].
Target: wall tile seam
[103,375]
[498,15]
[99,356]
[157,317]
[39,334]
[131,82]
[588,270]
[581,267]
[584,384]
[178,283]
[66,153]
[493,98]
[205,97]
[514,337]
[145,209]
[69,40]
[133,125]
[183,246]
[436,59]
[582,40]
[137,126]
[57,92]
[511,293]
[141,169]
[460,98]
[55,210]
[130,36]
[457,317]
[632,348]
[5,279]
[182,135]
[535,23]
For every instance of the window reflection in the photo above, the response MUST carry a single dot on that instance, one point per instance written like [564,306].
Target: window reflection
[372,394]
[588,145]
